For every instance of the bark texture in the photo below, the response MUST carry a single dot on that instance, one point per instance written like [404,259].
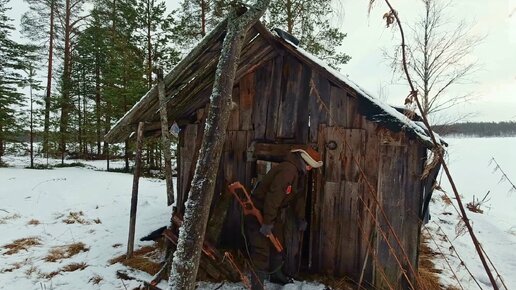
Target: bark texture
[191,235]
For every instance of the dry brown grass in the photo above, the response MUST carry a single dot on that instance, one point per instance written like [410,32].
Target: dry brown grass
[117,245]
[141,259]
[74,267]
[446,200]
[97,221]
[428,274]
[21,244]
[14,266]
[65,252]
[67,268]
[31,270]
[474,207]
[95,279]
[33,222]
[75,217]
[9,218]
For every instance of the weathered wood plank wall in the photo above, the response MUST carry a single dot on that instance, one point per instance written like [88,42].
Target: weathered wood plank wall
[284,101]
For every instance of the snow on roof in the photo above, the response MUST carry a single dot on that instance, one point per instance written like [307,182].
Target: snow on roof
[405,122]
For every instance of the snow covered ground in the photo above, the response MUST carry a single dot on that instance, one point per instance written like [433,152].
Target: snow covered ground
[42,204]
[475,174]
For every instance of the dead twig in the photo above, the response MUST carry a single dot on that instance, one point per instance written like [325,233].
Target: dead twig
[504,176]
[452,248]
[445,259]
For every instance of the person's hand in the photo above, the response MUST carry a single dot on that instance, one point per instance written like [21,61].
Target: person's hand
[301,225]
[266,230]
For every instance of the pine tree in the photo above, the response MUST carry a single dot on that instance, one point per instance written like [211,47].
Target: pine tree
[70,18]
[123,71]
[30,61]
[308,20]
[10,79]
[89,72]
[39,25]
[153,34]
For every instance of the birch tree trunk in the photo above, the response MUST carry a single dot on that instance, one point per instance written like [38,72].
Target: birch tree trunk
[191,234]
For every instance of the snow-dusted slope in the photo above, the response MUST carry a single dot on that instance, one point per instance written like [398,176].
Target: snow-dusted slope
[475,175]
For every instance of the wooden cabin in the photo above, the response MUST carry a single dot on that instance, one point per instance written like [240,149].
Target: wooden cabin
[364,206]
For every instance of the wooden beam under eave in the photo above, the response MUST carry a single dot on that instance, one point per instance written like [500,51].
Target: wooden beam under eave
[186,99]
[114,135]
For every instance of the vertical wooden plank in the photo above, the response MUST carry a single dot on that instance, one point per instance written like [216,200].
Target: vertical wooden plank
[134,195]
[292,75]
[264,83]
[229,157]
[413,201]
[189,152]
[333,165]
[338,102]
[315,255]
[328,238]
[319,100]
[234,118]
[250,164]
[274,100]
[247,91]
[234,169]
[303,97]
[391,190]
[347,257]
[368,207]
[165,139]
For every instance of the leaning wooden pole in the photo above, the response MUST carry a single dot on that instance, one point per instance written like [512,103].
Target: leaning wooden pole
[440,155]
[192,232]
[165,138]
[134,196]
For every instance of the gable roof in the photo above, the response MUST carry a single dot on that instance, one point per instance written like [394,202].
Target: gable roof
[188,85]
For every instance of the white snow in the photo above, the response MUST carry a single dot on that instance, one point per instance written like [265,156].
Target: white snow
[50,195]
[469,161]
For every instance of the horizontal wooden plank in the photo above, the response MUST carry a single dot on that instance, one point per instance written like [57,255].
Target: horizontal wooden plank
[273,152]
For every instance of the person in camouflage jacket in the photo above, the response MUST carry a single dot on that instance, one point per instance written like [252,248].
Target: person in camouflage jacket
[280,188]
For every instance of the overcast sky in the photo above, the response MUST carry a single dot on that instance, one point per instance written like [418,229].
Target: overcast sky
[495,87]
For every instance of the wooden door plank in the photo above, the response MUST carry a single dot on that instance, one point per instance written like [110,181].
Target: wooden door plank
[328,237]
[393,168]
[274,100]
[318,104]
[247,92]
[263,81]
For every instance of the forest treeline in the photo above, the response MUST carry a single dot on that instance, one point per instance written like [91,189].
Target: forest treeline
[479,129]
[83,63]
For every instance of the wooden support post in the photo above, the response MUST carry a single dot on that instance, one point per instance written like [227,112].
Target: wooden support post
[134,197]
[165,138]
